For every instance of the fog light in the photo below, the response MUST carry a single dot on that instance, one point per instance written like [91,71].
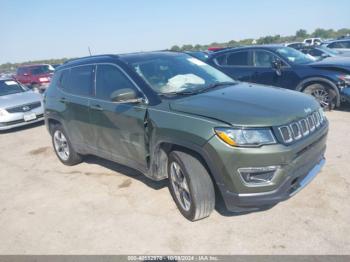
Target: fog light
[257,175]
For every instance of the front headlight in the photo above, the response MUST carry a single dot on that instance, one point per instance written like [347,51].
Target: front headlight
[245,137]
[345,79]
[3,112]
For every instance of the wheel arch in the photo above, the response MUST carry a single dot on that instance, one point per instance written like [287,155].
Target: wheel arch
[51,119]
[51,122]
[319,80]
[164,147]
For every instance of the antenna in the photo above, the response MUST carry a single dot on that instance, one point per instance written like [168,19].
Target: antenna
[89,50]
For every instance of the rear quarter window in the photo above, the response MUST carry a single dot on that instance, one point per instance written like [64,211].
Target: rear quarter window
[56,79]
[21,71]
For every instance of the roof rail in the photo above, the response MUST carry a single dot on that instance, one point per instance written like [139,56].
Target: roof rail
[87,57]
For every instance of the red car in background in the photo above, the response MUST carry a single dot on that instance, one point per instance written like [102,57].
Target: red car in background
[35,76]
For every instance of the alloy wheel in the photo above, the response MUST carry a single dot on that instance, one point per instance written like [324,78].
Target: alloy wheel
[322,96]
[61,145]
[180,186]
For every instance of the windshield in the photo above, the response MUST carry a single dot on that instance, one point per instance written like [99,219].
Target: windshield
[328,50]
[199,55]
[176,74]
[9,87]
[295,56]
[45,69]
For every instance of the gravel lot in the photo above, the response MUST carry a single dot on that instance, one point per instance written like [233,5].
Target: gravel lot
[99,207]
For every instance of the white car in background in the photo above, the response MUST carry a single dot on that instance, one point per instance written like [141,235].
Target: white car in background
[19,106]
[313,41]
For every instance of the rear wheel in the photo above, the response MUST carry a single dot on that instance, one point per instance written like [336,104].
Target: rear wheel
[190,185]
[324,95]
[63,148]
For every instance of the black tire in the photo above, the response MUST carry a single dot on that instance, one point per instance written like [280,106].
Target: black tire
[326,96]
[73,157]
[200,185]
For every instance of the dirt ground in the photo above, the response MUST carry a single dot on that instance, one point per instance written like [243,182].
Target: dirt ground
[99,207]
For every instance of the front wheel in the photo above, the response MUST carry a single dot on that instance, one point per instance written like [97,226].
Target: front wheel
[324,95]
[190,185]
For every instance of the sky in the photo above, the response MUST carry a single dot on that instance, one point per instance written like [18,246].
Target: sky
[41,29]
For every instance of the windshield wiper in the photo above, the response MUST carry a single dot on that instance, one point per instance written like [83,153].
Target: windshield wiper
[177,93]
[216,84]
[200,90]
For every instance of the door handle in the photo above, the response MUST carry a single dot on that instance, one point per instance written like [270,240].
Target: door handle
[96,107]
[63,100]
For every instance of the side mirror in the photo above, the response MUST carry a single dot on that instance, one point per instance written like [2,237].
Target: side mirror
[125,95]
[277,65]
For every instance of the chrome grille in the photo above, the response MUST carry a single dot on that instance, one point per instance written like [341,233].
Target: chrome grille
[317,119]
[24,108]
[296,129]
[286,134]
[302,128]
[310,121]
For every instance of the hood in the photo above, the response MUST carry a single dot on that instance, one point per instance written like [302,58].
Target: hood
[248,105]
[337,62]
[19,99]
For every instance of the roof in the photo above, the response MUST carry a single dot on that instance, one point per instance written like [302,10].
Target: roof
[154,54]
[6,78]
[336,40]
[33,65]
[127,56]
[269,46]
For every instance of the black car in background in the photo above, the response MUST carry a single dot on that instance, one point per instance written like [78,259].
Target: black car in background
[328,80]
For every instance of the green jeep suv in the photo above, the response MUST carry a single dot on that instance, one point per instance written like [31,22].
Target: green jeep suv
[172,116]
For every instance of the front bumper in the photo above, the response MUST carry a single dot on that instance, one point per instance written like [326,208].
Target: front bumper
[298,163]
[19,123]
[17,119]
[291,186]
[345,93]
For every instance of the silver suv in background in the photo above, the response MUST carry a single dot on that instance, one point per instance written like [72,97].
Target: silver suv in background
[19,106]
[342,45]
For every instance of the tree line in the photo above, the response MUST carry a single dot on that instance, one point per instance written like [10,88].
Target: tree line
[299,36]
[10,67]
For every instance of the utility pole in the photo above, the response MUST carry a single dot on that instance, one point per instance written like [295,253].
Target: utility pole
[89,50]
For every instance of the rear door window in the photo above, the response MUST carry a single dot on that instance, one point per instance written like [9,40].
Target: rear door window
[56,79]
[21,71]
[109,78]
[240,58]
[79,81]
